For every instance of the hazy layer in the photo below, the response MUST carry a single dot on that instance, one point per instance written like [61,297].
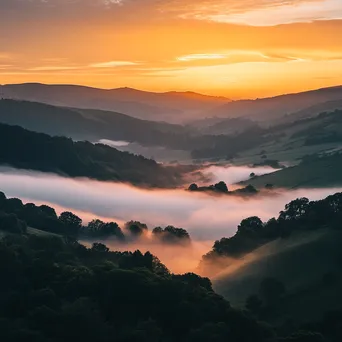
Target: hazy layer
[205,217]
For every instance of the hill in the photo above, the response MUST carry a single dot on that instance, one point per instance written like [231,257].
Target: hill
[312,172]
[329,106]
[287,270]
[273,108]
[53,288]
[88,124]
[286,143]
[24,149]
[280,259]
[95,125]
[169,106]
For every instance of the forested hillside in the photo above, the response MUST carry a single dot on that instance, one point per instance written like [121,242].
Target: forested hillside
[24,149]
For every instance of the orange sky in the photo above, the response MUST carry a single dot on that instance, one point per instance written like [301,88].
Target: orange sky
[241,48]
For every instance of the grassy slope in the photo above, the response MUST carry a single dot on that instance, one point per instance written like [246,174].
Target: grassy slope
[299,262]
[322,172]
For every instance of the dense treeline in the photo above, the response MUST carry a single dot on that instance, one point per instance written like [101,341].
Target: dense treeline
[15,216]
[53,290]
[56,291]
[29,150]
[221,188]
[298,215]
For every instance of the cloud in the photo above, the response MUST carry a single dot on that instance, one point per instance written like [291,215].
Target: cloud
[112,64]
[201,56]
[237,56]
[247,12]
[53,68]
[207,218]
[261,12]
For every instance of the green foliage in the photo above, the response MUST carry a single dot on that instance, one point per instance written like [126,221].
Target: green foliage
[98,228]
[298,215]
[271,290]
[71,222]
[55,291]
[221,186]
[171,235]
[11,224]
[21,148]
[136,228]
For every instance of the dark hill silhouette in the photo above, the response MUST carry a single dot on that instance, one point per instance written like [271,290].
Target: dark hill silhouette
[169,106]
[86,123]
[273,108]
[24,149]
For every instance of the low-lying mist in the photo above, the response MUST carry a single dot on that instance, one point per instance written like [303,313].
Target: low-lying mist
[205,217]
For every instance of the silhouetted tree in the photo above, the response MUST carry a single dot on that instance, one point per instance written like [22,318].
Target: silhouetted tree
[136,228]
[71,222]
[221,186]
[99,248]
[193,187]
[250,225]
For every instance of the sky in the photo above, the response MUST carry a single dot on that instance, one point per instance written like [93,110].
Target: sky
[238,49]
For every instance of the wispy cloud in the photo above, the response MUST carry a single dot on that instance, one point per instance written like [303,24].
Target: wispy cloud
[53,68]
[201,56]
[112,64]
[263,13]
[237,56]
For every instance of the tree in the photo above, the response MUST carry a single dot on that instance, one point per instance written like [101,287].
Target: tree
[48,211]
[94,226]
[99,248]
[136,228]
[13,205]
[11,223]
[254,304]
[157,231]
[193,187]
[295,209]
[173,234]
[221,186]
[271,290]
[250,225]
[71,222]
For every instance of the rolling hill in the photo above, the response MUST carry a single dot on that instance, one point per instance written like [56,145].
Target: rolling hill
[87,124]
[318,172]
[169,106]
[28,150]
[304,280]
[273,108]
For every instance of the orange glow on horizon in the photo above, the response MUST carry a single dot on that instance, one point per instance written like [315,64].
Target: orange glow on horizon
[237,51]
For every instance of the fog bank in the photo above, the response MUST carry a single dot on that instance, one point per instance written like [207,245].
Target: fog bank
[205,217]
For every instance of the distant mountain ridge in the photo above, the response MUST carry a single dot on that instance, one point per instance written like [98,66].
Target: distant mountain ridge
[88,124]
[273,108]
[168,106]
[180,107]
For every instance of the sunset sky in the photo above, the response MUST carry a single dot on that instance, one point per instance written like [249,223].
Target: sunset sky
[239,49]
